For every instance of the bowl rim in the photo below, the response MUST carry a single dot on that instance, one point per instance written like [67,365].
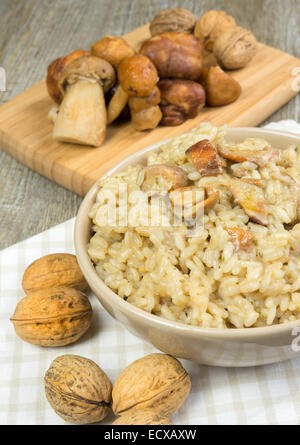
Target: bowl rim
[154,320]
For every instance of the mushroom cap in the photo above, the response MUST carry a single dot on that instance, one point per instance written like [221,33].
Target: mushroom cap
[137,75]
[176,55]
[186,94]
[88,68]
[113,49]
[54,71]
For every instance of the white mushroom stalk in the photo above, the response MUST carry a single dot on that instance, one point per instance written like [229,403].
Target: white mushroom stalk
[82,116]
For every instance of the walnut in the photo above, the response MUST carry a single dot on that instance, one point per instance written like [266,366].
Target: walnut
[173,19]
[54,71]
[147,417]
[157,381]
[180,100]
[176,55]
[77,389]
[221,89]
[210,25]
[234,48]
[137,76]
[52,317]
[58,269]
[112,49]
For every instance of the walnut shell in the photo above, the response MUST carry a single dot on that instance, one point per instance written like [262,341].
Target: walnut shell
[234,48]
[58,269]
[221,89]
[77,389]
[180,100]
[211,25]
[173,19]
[176,55]
[55,69]
[157,381]
[137,76]
[112,49]
[147,417]
[52,317]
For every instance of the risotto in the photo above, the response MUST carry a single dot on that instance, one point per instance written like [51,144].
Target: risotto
[234,261]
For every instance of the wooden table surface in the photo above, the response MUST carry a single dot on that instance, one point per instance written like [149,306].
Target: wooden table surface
[34,32]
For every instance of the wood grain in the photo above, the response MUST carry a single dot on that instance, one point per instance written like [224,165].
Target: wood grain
[34,32]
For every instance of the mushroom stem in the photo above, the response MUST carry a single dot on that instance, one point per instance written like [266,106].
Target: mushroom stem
[82,115]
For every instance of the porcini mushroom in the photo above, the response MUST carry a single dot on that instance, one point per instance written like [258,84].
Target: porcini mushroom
[82,115]
[205,159]
[167,177]
[191,201]
[180,100]
[176,55]
[54,71]
[251,199]
[114,50]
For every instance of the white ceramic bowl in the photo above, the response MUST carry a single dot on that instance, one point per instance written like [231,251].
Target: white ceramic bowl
[216,347]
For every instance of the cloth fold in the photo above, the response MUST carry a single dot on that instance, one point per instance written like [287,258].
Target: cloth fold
[263,395]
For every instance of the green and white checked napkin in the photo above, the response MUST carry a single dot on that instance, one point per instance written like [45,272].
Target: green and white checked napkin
[262,395]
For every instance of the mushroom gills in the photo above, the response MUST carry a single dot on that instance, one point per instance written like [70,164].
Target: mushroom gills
[82,115]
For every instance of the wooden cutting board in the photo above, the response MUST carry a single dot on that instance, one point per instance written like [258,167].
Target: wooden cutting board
[26,133]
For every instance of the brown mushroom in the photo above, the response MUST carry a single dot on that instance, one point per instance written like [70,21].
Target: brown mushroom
[145,112]
[140,103]
[190,201]
[180,100]
[146,119]
[251,199]
[221,89]
[176,55]
[137,75]
[259,156]
[82,115]
[172,177]
[54,71]
[205,158]
[117,103]
[112,49]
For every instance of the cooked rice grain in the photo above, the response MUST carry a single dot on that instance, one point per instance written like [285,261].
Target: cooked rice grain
[203,280]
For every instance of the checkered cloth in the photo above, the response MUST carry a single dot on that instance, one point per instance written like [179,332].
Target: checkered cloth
[262,395]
